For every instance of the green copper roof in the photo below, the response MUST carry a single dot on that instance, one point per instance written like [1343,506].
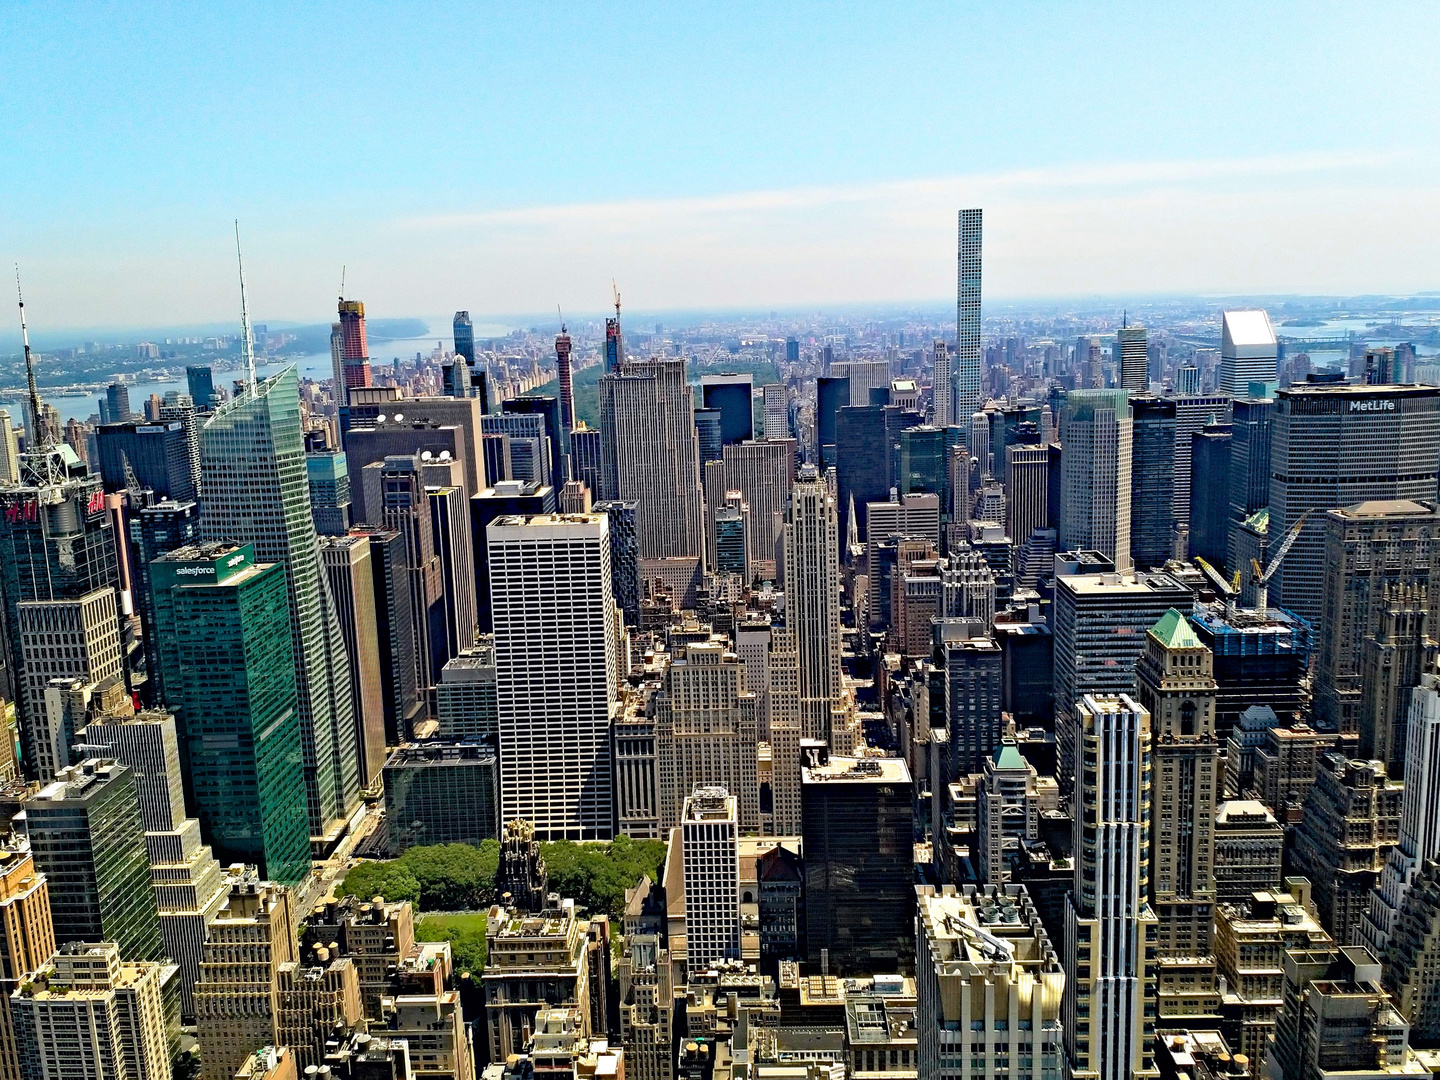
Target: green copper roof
[1175,631]
[1007,756]
[1260,520]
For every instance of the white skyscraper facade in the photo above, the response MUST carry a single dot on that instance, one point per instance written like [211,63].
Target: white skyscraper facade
[557,661]
[967,315]
[1248,351]
[1109,1033]
[709,837]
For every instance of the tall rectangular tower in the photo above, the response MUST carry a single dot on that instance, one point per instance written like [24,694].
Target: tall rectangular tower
[1131,359]
[942,389]
[355,350]
[1248,351]
[1334,445]
[252,459]
[709,838]
[812,604]
[967,316]
[1097,432]
[651,454]
[1177,687]
[557,658]
[1109,1017]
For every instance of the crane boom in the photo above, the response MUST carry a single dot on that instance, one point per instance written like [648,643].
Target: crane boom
[1262,580]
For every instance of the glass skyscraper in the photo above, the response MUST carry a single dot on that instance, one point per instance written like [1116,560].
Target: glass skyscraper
[256,492]
[229,673]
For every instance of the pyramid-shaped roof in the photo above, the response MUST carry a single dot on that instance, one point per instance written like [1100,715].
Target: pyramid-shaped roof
[1175,632]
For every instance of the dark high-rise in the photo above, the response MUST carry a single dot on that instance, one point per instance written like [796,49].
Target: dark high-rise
[556,431]
[395,636]
[731,394]
[158,455]
[464,332]
[831,395]
[57,544]
[154,530]
[1152,480]
[624,557]
[1248,485]
[584,459]
[858,829]
[1210,493]
[117,400]
[567,390]
[200,381]
[1336,445]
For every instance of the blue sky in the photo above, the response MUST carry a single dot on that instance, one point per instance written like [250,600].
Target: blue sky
[504,158]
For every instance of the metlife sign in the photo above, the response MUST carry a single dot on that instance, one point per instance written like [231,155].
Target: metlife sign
[1375,405]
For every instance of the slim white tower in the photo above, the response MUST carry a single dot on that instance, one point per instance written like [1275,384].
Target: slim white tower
[942,391]
[557,658]
[1096,432]
[967,315]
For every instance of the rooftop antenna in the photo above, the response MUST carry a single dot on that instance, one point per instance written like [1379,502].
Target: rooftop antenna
[342,281]
[247,343]
[40,429]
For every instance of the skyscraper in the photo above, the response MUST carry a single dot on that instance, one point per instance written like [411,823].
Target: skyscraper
[1027,483]
[330,500]
[88,839]
[730,393]
[1110,928]
[1248,487]
[117,399]
[812,609]
[355,350]
[777,411]
[464,333]
[709,839]
[968,374]
[1096,432]
[256,491]
[1177,687]
[1131,359]
[1373,551]
[1248,351]
[614,343]
[349,567]
[562,372]
[942,390]
[1152,480]
[229,673]
[29,938]
[399,688]
[1336,445]
[831,395]
[651,454]
[556,667]
[1191,415]
[200,381]
[858,829]
[1209,493]
[158,456]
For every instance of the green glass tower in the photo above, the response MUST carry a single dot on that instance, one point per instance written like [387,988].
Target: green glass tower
[87,837]
[223,623]
[252,463]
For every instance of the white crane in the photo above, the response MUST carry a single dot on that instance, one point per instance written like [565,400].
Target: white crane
[1262,579]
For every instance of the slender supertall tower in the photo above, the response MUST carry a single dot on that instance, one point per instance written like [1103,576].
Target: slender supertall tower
[614,345]
[356,349]
[562,371]
[812,605]
[967,316]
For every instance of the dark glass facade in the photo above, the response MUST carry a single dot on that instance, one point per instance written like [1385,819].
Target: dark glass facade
[442,793]
[159,456]
[733,401]
[1210,494]
[1152,481]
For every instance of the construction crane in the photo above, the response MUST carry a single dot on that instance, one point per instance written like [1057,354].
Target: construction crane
[1262,579]
[1229,591]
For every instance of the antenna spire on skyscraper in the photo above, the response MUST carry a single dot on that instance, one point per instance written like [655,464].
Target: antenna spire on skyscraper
[40,430]
[247,343]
